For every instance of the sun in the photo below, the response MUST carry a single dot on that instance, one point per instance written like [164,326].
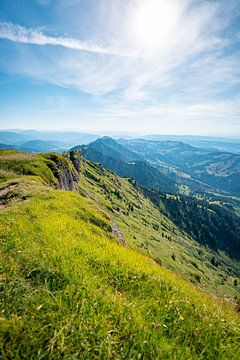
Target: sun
[153,22]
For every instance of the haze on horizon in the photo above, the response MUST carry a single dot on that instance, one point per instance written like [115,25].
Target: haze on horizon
[137,66]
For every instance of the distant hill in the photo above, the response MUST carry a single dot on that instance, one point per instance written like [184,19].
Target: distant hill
[5,146]
[199,168]
[52,139]
[69,138]
[42,146]
[207,142]
[126,163]
[13,138]
[37,146]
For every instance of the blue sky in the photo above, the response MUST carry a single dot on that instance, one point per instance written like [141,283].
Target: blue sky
[146,66]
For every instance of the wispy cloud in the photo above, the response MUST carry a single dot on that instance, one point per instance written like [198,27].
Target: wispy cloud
[190,71]
[20,34]
[193,48]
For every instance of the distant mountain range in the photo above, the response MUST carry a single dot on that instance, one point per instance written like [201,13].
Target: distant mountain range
[38,141]
[37,146]
[207,142]
[197,168]
[68,139]
[114,156]
[169,166]
[154,161]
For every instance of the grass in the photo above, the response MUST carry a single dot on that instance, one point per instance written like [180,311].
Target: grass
[70,291]
[144,227]
[14,163]
[149,231]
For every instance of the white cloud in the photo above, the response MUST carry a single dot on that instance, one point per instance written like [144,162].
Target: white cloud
[123,62]
[186,73]
[212,118]
[23,35]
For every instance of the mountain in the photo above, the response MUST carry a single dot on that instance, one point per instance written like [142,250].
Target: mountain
[12,138]
[207,142]
[37,146]
[43,146]
[83,269]
[211,221]
[13,147]
[126,163]
[70,138]
[65,139]
[110,148]
[200,169]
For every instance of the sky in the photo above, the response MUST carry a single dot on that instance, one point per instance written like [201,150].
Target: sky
[132,66]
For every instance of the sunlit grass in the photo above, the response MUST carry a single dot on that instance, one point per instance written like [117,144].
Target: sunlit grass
[146,228]
[70,291]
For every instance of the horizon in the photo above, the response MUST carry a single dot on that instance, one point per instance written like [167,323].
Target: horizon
[121,134]
[145,67]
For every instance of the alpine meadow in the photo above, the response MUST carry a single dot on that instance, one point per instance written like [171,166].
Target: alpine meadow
[120,180]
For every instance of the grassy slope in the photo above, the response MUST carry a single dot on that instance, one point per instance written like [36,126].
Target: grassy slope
[145,228]
[70,291]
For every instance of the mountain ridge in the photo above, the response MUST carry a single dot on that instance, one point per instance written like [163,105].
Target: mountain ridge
[127,164]
[217,223]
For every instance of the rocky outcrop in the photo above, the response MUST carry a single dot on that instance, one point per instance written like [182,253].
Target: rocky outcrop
[66,170]
[65,177]
[75,158]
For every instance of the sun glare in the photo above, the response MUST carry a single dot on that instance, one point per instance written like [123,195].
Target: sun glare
[153,22]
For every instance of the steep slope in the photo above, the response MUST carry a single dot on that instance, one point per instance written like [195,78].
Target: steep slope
[117,158]
[210,221]
[69,290]
[144,226]
[147,228]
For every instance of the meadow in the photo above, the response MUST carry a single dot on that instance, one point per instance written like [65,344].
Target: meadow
[69,290]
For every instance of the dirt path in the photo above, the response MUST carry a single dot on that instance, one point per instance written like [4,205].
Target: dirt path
[117,232]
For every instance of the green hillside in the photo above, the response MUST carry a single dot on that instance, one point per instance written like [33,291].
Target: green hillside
[70,290]
[147,229]
[211,219]
[126,163]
